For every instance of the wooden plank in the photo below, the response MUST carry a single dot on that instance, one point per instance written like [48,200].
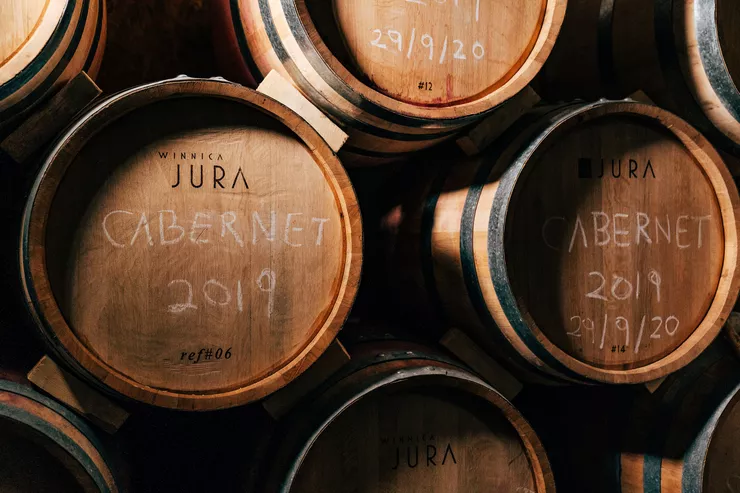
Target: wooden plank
[281,90]
[60,384]
[459,344]
[654,385]
[491,128]
[641,97]
[282,401]
[50,119]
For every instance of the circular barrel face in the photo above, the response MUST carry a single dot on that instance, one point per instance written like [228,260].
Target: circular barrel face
[614,242]
[29,462]
[728,17]
[436,52]
[721,474]
[18,20]
[417,440]
[195,245]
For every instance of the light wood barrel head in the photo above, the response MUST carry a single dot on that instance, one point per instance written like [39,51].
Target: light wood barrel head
[19,19]
[728,17]
[25,28]
[436,52]
[723,456]
[196,247]
[616,243]
[415,440]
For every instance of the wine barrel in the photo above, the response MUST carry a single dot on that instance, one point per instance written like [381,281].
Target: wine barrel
[401,417]
[44,44]
[594,242]
[190,243]
[684,54]
[685,438]
[46,447]
[398,77]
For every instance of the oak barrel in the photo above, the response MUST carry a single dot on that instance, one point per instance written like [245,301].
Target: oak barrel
[397,76]
[685,54]
[593,242]
[685,438]
[45,447]
[190,243]
[401,417]
[44,44]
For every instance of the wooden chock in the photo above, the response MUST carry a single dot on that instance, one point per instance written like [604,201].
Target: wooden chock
[654,385]
[641,97]
[65,387]
[50,118]
[275,86]
[282,401]
[491,128]
[459,344]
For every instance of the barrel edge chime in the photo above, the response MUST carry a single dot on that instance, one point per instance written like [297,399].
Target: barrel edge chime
[494,319]
[40,298]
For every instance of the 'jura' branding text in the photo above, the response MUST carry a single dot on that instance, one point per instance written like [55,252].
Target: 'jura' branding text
[414,450]
[615,168]
[211,174]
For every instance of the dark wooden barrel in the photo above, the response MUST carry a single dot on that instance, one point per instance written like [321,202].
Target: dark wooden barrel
[190,243]
[45,447]
[44,44]
[398,77]
[685,54]
[593,242]
[401,417]
[685,437]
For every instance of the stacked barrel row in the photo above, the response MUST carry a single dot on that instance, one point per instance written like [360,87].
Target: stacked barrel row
[193,244]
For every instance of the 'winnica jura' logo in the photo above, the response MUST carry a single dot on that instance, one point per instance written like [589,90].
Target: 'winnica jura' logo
[615,168]
[412,451]
[208,172]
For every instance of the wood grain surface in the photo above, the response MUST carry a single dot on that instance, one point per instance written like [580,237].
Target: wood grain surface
[591,242]
[401,418]
[203,260]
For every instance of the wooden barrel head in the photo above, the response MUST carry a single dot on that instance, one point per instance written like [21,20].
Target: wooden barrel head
[26,27]
[615,241]
[417,439]
[29,463]
[728,16]
[434,52]
[196,244]
[723,456]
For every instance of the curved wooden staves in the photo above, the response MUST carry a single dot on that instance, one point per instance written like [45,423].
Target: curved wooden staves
[46,43]
[557,248]
[412,420]
[397,100]
[191,244]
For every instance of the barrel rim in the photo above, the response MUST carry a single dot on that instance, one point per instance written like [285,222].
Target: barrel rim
[539,50]
[729,282]
[47,314]
[426,372]
[103,479]
[708,77]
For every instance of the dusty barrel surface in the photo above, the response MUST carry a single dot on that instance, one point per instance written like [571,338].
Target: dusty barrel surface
[46,447]
[44,44]
[191,244]
[398,76]
[685,438]
[594,242]
[685,54]
[403,418]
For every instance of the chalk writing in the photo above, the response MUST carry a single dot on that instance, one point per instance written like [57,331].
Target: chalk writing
[656,326]
[217,293]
